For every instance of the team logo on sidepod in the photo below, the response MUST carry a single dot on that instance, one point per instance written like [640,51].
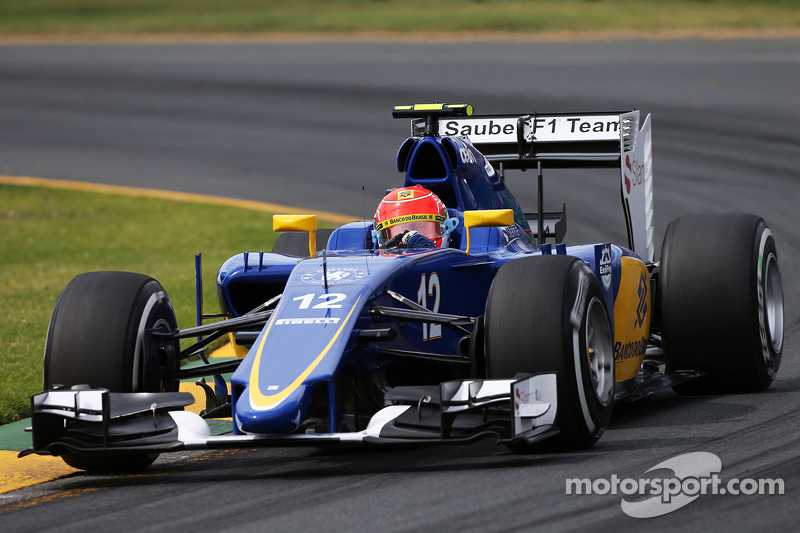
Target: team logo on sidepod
[605,267]
[334,275]
[641,309]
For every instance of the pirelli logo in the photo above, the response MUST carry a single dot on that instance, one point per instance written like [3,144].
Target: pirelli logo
[294,321]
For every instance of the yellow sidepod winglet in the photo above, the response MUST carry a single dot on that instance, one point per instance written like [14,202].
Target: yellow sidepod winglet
[487,218]
[262,401]
[238,350]
[298,223]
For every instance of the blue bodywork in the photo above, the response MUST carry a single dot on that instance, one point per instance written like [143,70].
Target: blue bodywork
[310,356]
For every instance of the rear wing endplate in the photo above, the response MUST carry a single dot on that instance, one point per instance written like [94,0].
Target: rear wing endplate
[587,140]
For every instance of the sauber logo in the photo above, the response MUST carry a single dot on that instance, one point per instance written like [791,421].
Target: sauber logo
[488,167]
[526,404]
[636,173]
[605,267]
[479,128]
[334,276]
[641,310]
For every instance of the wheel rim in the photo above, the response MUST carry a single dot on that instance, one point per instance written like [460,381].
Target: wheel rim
[153,355]
[599,351]
[773,303]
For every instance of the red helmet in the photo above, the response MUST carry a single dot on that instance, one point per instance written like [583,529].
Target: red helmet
[410,208]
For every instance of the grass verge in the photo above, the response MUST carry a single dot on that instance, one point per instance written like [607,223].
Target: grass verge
[48,236]
[428,16]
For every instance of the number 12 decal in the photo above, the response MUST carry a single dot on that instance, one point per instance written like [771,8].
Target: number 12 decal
[434,289]
[331,300]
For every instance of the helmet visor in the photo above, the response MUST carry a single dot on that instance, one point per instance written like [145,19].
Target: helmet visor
[431,229]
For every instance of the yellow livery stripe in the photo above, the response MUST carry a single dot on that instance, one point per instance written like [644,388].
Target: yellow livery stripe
[257,398]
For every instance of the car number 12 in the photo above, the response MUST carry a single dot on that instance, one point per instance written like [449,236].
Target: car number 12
[332,300]
[434,289]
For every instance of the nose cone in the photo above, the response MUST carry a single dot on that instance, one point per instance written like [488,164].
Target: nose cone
[301,347]
[285,417]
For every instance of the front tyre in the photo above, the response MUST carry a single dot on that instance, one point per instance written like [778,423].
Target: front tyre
[548,314]
[100,335]
[722,302]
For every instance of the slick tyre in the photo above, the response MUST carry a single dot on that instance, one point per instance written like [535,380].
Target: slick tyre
[721,302]
[548,314]
[100,336]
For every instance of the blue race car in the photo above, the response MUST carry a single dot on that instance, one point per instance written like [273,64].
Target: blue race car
[378,333]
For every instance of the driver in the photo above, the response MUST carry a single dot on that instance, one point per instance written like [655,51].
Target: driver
[412,217]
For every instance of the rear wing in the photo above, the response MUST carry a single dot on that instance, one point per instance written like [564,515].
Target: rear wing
[587,140]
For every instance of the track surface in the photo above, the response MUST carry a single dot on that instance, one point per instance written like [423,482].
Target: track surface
[309,125]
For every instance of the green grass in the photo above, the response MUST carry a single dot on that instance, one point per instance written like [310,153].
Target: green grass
[48,236]
[434,16]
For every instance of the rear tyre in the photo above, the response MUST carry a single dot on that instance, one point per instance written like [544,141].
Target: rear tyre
[548,314]
[296,242]
[722,302]
[99,335]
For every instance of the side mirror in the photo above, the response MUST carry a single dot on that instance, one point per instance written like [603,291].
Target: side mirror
[488,218]
[306,223]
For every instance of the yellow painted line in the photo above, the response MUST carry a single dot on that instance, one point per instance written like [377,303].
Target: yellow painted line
[199,396]
[252,205]
[711,34]
[18,473]
[71,493]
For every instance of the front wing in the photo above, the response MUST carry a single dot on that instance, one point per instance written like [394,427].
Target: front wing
[98,422]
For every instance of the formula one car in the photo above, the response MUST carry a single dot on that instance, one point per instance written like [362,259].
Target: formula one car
[493,332]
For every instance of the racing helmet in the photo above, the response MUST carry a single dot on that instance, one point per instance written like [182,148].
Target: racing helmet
[413,209]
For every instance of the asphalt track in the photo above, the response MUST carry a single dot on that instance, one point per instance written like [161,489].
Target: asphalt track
[309,125]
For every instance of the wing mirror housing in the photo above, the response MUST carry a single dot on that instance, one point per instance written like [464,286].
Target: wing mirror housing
[487,218]
[307,223]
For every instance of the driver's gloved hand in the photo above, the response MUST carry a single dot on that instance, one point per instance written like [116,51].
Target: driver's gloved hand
[415,239]
[395,241]
[409,239]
